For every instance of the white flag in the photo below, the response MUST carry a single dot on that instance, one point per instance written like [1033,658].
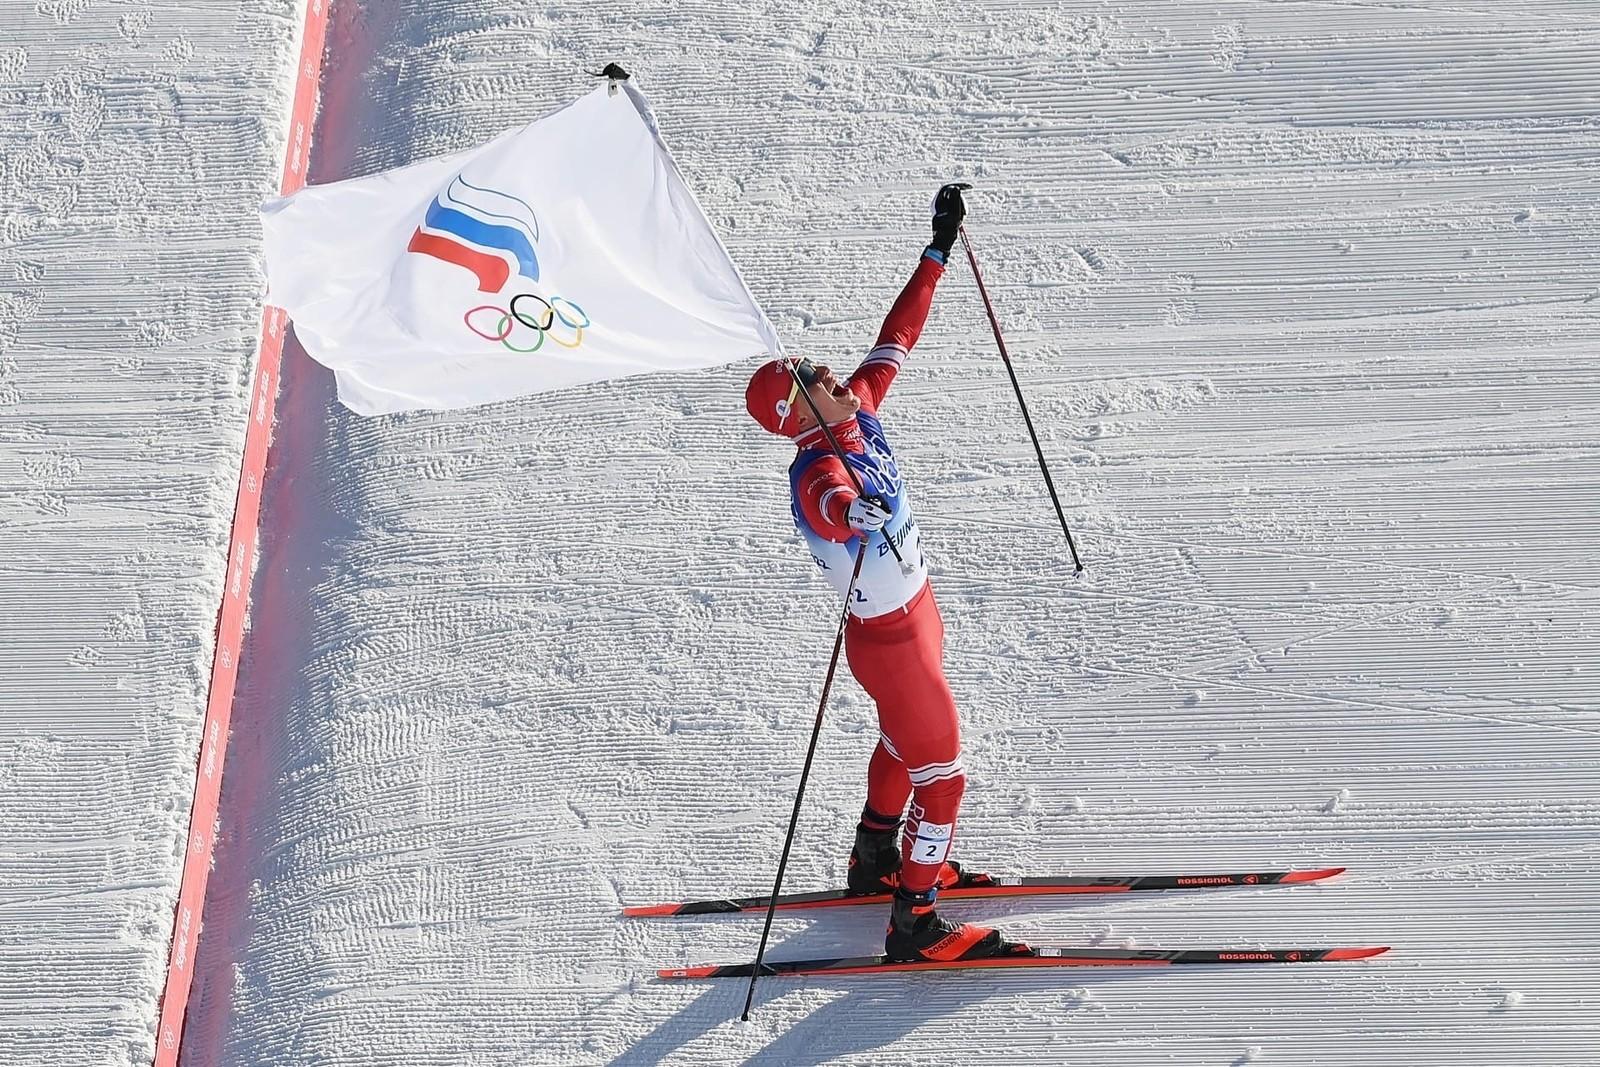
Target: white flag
[564,252]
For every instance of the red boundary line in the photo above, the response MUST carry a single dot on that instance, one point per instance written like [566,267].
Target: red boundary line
[236,593]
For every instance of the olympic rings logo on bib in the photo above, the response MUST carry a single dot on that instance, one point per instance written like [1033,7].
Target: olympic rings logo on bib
[531,318]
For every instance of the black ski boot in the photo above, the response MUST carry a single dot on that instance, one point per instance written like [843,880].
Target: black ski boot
[875,863]
[875,860]
[917,933]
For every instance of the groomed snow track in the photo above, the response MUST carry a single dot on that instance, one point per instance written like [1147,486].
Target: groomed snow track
[1305,299]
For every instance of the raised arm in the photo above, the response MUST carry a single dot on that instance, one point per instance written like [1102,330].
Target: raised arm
[900,331]
[906,318]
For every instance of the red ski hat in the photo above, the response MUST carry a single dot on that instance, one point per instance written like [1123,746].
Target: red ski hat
[770,398]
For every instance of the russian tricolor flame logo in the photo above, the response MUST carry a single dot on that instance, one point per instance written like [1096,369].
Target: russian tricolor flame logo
[482,230]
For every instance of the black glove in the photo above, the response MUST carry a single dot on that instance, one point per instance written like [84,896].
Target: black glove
[948,211]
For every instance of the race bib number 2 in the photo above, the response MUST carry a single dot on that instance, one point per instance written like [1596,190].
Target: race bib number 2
[933,842]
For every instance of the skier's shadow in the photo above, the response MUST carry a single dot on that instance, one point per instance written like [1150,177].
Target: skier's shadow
[869,1012]
[871,1017]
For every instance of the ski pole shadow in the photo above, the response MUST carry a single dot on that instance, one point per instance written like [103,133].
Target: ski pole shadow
[869,1013]
[872,1019]
[713,1008]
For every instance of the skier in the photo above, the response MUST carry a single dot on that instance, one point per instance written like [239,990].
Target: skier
[894,639]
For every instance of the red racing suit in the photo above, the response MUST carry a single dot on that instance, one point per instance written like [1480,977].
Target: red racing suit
[894,640]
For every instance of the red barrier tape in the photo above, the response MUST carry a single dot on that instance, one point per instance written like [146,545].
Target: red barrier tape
[236,593]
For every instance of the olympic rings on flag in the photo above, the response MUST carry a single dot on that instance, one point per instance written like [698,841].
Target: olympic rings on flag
[556,308]
[575,325]
[501,332]
[549,312]
[537,344]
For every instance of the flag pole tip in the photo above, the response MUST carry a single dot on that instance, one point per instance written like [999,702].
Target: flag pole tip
[613,72]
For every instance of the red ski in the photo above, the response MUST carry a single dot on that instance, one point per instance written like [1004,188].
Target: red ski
[1035,957]
[985,886]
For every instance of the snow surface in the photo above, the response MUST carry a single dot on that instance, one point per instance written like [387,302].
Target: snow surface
[1305,299]
[135,142]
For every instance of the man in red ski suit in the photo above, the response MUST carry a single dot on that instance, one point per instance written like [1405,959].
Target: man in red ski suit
[894,639]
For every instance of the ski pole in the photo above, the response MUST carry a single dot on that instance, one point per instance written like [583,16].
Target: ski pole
[1006,356]
[805,773]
